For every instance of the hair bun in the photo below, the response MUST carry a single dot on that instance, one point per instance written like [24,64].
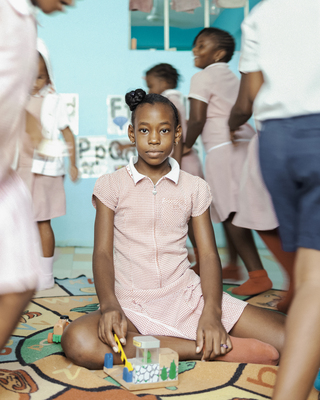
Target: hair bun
[134,98]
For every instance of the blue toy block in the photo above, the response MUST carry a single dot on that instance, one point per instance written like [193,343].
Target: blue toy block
[108,360]
[127,375]
[317,382]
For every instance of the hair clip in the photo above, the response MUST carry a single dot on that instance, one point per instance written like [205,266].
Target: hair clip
[132,93]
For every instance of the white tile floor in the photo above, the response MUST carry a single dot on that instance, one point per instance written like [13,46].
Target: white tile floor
[70,262]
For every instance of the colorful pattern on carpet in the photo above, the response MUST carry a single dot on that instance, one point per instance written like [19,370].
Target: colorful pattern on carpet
[31,368]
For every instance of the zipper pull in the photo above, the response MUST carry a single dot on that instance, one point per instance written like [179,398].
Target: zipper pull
[154,190]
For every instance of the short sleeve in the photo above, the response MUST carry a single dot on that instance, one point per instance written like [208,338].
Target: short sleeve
[249,59]
[107,191]
[62,118]
[201,198]
[199,88]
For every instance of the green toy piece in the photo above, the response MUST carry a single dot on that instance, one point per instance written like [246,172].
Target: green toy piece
[56,338]
[173,370]
[164,375]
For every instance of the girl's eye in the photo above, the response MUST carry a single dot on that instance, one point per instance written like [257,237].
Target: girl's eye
[164,130]
[144,130]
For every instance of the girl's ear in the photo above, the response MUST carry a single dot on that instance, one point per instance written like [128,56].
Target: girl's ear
[131,134]
[219,55]
[177,135]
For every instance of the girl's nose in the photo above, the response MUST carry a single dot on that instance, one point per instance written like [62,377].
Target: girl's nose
[154,137]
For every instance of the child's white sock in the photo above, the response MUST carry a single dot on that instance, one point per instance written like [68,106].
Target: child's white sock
[46,280]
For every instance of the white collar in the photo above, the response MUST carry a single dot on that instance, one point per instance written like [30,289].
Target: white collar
[221,64]
[173,175]
[23,7]
[169,92]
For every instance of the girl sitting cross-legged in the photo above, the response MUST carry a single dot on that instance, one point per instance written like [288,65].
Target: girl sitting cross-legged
[141,269]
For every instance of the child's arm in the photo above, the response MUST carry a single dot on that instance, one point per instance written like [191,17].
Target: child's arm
[33,129]
[197,119]
[112,318]
[69,138]
[211,333]
[250,85]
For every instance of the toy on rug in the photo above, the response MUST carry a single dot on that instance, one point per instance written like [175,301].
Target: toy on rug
[59,327]
[152,367]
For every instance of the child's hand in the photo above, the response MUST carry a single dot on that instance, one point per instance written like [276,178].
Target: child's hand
[212,338]
[73,171]
[113,320]
[233,137]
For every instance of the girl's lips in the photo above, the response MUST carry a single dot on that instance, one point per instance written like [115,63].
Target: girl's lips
[154,152]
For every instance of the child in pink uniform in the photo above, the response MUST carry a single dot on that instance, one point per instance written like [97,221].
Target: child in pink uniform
[141,270]
[213,92]
[163,79]
[44,176]
[19,241]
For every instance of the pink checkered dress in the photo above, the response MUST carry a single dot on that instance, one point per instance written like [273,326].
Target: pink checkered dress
[154,284]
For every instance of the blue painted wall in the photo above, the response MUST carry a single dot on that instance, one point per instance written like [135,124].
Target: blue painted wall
[90,56]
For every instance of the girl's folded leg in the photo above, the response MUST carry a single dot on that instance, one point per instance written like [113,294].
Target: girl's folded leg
[82,346]
[262,324]
[253,351]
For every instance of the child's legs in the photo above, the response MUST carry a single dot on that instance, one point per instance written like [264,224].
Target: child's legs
[301,355]
[47,238]
[285,258]
[82,346]
[244,244]
[12,306]
[232,251]
[262,324]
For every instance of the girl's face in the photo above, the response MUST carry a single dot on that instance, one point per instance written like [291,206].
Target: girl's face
[155,84]
[49,6]
[154,133]
[205,51]
[42,78]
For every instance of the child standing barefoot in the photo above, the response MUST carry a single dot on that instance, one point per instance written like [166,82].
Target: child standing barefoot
[213,92]
[141,270]
[44,176]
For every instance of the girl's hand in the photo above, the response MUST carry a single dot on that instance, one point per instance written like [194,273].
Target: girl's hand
[73,171]
[113,320]
[212,338]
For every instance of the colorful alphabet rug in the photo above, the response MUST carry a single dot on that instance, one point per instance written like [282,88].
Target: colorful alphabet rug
[32,368]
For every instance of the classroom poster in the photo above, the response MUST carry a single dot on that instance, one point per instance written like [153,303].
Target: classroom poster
[98,155]
[118,116]
[72,102]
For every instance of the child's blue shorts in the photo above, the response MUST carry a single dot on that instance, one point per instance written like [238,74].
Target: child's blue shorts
[290,164]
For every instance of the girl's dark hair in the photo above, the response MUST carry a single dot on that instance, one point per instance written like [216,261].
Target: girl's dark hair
[138,97]
[166,72]
[224,39]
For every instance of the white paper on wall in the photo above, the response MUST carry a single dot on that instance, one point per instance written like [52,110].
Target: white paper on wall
[98,155]
[72,102]
[118,115]
[92,156]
